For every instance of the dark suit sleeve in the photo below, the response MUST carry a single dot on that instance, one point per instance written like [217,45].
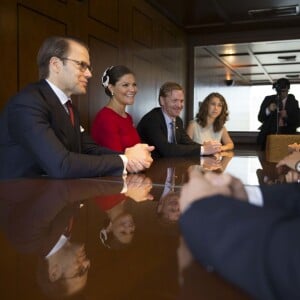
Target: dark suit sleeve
[293,113]
[256,248]
[282,197]
[262,116]
[152,130]
[90,147]
[30,122]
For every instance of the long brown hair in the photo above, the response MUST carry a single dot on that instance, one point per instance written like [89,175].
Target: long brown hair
[219,122]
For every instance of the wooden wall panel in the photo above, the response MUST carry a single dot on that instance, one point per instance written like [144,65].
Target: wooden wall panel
[128,32]
[103,55]
[106,12]
[145,99]
[142,28]
[33,29]
[8,58]
[168,44]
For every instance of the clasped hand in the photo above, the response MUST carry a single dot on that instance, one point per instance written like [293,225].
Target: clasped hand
[291,175]
[138,187]
[139,157]
[202,185]
[211,147]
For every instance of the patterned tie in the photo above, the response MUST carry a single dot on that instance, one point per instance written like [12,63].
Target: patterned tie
[173,127]
[71,112]
[281,120]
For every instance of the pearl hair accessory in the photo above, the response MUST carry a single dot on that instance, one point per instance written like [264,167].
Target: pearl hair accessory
[105,77]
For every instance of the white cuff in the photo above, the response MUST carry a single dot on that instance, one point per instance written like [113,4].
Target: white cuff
[254,195]
[201,150]
[125,188]
[125,162]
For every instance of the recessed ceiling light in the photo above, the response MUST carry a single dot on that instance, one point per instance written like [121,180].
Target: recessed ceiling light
[287,57]
[282,11]
[292,76]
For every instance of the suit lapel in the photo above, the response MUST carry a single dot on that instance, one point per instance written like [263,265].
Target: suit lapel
[163,122]
[60,120]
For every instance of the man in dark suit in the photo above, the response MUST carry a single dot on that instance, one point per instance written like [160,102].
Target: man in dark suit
[279,114]
[163,128]
[41,135]
[256,247]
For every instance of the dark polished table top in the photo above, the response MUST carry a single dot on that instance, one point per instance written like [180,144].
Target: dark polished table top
[120,246]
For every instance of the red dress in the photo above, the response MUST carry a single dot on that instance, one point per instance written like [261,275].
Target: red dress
[113,131]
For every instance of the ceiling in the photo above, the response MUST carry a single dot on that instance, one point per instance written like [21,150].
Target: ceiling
[249,42]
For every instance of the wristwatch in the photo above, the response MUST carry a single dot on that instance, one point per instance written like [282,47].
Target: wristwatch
[297,166]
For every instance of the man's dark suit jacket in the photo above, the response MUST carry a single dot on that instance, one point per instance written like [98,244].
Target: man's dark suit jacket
[269,122]
[153,130]
[256,248]
[37,138]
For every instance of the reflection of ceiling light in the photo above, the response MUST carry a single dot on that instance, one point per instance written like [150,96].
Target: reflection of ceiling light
[281,11]
[287,57]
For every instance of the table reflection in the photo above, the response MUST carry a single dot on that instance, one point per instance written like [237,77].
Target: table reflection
[37,218]
[242,167]
[112,237]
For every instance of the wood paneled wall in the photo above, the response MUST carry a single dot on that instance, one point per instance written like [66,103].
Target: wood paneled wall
[128,32]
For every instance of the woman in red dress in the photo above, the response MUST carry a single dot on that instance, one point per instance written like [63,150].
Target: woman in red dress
[113,127]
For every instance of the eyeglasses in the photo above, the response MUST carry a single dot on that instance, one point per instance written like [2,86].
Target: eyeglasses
[83,66]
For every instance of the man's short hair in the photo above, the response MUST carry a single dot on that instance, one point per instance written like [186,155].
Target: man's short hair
[167,88]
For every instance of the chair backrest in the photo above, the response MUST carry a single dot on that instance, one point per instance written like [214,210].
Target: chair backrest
[277,145]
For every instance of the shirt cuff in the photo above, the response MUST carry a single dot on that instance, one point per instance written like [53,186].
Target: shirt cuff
[254,195]
[125,162]
[201,150]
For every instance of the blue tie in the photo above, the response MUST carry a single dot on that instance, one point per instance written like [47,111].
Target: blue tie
[173,131]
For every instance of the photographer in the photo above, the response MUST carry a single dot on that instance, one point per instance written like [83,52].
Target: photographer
[279,114]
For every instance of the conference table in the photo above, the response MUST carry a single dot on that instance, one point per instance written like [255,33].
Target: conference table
[124,241]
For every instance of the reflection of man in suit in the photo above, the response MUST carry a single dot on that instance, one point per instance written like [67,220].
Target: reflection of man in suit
[163,127]
[40,132]
[168,205]
[37,215]
[254,246]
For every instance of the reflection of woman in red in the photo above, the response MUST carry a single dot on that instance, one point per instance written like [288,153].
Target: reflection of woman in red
[119,230]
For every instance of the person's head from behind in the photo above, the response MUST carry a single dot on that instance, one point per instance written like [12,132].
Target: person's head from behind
[282,86]
[119,84]
[119,232]
[65,62]
[171,98]
[214,107]
[64,273]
